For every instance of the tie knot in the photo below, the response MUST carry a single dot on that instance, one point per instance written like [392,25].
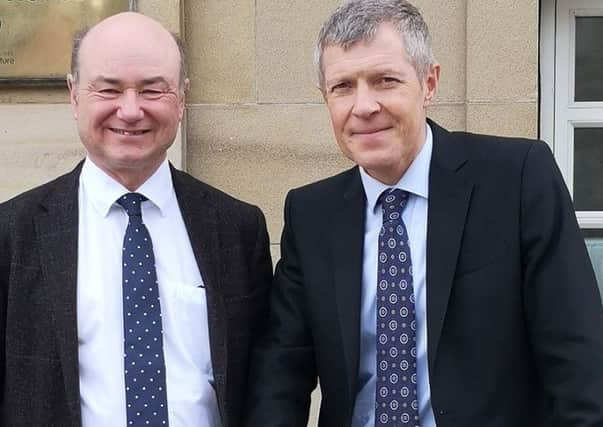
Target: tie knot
[393,201]
[131,203]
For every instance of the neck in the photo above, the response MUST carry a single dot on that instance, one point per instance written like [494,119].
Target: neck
[130,176]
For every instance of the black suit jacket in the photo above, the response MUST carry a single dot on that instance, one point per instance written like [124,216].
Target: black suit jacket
[38,278]
[514,317]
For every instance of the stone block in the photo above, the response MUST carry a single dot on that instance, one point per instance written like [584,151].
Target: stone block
[502,50]
[508,119]
[450,116]
[57,94]
[220,37]
[168,12]
[259,152]
[286,33]
[447,25]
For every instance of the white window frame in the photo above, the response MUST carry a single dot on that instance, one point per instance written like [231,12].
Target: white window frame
[559,114]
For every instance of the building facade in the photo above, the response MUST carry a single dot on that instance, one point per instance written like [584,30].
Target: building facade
[256,125]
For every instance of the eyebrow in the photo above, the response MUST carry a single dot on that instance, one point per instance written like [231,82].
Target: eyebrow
[153,80]
[369,73]
[337,80]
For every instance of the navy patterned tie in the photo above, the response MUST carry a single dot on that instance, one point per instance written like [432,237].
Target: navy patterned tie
[396,402]
[144,366]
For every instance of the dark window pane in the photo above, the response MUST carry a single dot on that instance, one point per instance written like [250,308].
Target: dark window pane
[592,233]
[589,58]
[594,244]
[588,169]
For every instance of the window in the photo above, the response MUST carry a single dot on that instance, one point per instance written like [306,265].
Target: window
[571,66]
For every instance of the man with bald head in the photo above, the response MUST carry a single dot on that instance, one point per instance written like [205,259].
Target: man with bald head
[130,292]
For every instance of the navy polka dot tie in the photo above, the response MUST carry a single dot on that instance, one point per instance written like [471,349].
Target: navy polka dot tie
[396,392]
[144,366]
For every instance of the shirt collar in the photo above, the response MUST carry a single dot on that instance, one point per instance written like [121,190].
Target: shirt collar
[415,180]
[102,190]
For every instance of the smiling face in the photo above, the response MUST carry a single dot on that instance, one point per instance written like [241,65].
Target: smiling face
[377,103]
[128,101]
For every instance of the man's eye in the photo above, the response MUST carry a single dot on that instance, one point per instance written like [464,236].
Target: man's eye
[389,80]
[152,93]
[108,92]
[340,87]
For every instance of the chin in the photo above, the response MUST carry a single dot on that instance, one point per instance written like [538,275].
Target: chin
[375,161]
[129,159]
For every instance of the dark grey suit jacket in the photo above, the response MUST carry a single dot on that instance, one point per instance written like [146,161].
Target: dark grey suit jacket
[514,316]
[38,272]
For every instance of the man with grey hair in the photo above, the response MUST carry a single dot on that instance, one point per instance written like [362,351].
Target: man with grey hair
[130,292]
[443,281]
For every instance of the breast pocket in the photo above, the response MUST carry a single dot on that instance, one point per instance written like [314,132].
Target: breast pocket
[480,253]
[186,324]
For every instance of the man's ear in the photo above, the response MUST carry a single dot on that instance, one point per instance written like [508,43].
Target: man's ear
[431,83]
[73,96]
[323,93]
[182,103]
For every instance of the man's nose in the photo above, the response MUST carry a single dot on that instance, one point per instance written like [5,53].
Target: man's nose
[365,102]
[129,106]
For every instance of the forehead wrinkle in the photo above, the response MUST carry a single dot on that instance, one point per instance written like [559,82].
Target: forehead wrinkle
[143,82]
[104,79]
[361,67]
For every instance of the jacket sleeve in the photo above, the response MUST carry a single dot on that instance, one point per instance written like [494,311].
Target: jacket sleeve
[260,266]
[562,302]
[283,372]
[5,257]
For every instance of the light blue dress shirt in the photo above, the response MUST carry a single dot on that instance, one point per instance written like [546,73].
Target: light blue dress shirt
[416,181]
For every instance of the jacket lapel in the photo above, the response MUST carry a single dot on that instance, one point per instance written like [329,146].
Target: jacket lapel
[449,197]
[200,216]
[57,228]
[347,226]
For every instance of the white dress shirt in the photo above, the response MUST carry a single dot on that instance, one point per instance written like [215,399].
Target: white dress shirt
[416,181]
[102,224]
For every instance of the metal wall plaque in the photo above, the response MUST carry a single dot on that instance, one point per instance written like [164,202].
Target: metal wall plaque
[35,36]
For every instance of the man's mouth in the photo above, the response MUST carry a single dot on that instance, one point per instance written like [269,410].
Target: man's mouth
[369,131]
[128,132]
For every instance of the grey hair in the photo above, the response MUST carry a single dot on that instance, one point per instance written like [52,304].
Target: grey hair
[79,36]
[358,20]
[76,44]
